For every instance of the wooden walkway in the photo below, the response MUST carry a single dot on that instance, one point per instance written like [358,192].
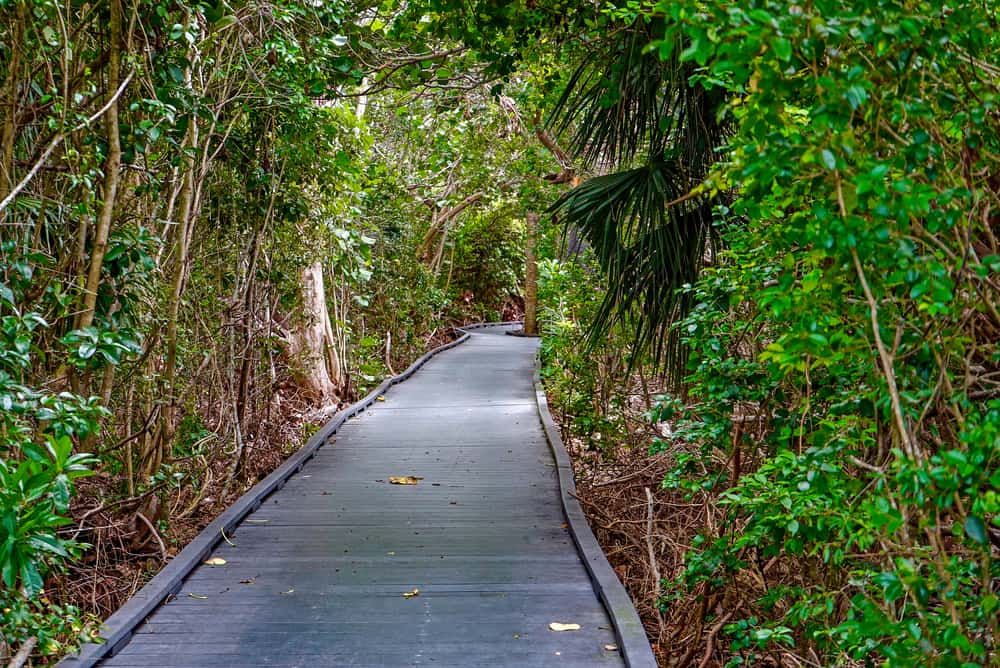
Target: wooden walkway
[317,575]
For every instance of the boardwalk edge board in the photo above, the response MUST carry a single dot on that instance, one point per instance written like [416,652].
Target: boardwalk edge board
[631,635]
[117,630]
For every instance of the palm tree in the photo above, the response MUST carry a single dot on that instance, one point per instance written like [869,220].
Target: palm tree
[638,119]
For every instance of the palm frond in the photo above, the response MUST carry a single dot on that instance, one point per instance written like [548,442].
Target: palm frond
[647,250]
[623,104]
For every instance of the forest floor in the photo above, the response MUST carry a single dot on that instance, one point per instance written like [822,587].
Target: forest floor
[645,531]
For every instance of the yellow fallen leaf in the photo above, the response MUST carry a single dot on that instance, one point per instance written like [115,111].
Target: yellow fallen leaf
[412,593]
[379,398]
[215,561]
[611,648]
[404,479]
[198,596]
[559,626]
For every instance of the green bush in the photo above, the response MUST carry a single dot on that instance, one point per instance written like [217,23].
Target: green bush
[853,324]
[37,470]
[488,260]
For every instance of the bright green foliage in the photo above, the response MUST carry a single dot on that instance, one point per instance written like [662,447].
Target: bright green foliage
[37,469]
[851,326]
[489,258]
[582,383]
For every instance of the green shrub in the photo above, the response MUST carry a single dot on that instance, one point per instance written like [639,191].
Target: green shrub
[37,470]
[853,323]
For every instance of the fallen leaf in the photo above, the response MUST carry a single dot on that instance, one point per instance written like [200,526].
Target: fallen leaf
[405,479]
[290,591]
[559,626]
[611,648]
[412,593]
[379,398]
[215,561]
[198,596]
[391,554]
[248,581]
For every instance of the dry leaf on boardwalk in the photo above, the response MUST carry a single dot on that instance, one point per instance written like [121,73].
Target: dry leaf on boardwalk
[404,479]
[410,594]
[559,626]
[215,561]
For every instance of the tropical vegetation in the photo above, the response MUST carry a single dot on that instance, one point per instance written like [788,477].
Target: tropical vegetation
[767,289]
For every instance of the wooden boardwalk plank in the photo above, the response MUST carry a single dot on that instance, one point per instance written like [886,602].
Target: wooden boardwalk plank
[315,576]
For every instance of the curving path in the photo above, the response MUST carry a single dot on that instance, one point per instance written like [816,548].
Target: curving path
[316,575]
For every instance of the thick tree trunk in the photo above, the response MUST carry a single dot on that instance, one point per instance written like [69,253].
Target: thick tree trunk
[311,342]
[531,276]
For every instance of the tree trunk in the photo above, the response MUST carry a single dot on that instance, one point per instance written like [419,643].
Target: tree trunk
[112,168]
[531,276]
[182,240]
[311,343]
[10,102]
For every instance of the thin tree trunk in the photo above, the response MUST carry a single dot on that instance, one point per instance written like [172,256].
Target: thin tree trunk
[112,169]
[10,91]
[531,276]
[181,245]
[243,388]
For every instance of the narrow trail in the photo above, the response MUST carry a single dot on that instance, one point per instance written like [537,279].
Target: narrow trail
[316,575]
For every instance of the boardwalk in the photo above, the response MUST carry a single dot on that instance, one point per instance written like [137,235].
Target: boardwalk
[316,575]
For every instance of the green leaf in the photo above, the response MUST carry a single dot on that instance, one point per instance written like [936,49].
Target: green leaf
[782,49]
[829,159]
[976,529]
[176,73]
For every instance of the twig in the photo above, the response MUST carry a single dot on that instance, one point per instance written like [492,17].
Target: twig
[22,654]
[654,569]
[155,533]
[710,640]
[885,357]
[58,139]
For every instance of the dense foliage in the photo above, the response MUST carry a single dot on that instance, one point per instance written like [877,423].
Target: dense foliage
[219,221]
[852,325]
[774,223]
[841,409]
